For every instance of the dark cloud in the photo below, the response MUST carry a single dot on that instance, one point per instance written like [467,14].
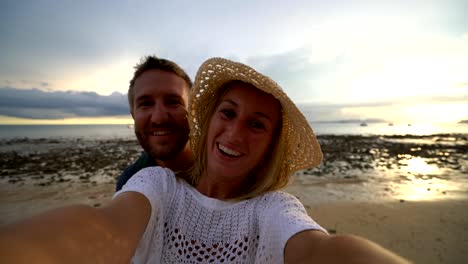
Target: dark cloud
[37,104]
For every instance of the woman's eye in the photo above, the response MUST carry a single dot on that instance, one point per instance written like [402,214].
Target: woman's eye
[228,113]
[257,125]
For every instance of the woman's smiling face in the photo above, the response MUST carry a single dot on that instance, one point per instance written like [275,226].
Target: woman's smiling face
[240,131]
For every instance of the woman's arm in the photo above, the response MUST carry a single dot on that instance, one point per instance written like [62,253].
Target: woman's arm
[316,247]
[78,233]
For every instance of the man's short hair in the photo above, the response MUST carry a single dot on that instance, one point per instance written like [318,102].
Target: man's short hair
[154,63]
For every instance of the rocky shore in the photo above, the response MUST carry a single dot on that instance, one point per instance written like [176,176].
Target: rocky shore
[46,161]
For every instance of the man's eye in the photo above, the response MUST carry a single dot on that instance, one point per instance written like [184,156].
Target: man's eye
[228,113]
[173,102]
[145,103]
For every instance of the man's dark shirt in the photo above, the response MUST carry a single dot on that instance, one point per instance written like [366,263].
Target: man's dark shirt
[143,161]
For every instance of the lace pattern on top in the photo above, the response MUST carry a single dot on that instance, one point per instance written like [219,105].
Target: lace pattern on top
[188,227]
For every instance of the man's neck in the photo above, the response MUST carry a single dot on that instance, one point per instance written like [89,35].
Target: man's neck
[181,162]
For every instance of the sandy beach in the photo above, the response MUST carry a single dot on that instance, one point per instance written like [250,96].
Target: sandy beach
[407,193]
[421,231]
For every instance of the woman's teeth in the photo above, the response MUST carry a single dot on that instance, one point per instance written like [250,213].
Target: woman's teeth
[228,151]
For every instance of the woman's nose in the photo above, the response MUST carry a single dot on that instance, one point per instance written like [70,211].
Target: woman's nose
[236,130]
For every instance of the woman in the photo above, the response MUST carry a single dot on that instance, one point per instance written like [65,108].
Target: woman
[248,138]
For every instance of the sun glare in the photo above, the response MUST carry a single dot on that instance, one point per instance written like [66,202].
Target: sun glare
[436,113]
[102,79]
[406,113]
[418,165]
[424,181]
[390,60]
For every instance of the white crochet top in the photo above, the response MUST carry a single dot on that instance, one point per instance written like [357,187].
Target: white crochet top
[187,227]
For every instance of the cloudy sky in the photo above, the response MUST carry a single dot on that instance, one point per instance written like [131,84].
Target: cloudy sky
[401,61]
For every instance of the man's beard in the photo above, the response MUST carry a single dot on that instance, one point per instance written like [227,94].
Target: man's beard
[157,152]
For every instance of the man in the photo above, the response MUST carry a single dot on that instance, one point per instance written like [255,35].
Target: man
[158,98]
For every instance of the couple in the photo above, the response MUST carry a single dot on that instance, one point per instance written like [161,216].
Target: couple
[247,138]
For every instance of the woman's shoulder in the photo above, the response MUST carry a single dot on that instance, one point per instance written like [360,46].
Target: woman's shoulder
[151,180]
[279,201]
[157,170]
[288,210]
[278,197]
[156,174]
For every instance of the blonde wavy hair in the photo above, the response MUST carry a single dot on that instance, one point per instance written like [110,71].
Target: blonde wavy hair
[265,177]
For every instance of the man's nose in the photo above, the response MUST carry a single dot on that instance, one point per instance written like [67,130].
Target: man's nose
[159,114]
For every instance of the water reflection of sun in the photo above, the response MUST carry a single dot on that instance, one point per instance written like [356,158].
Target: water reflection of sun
[420,183]
[417,165]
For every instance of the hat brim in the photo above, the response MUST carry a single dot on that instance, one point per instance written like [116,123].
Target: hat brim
[301,146]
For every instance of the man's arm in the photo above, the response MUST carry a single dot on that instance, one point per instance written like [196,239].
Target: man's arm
[317,247]
[78,234]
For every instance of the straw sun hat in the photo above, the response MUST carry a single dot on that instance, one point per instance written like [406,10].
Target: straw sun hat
[302,149]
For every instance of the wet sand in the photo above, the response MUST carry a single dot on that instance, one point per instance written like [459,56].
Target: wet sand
[407,193]
[423,231]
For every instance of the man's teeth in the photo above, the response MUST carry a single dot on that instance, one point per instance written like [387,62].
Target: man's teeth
[229,151]
[160,133]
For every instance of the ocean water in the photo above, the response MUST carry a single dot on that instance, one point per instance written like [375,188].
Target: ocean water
[126,132]
[386,129]
[66,131]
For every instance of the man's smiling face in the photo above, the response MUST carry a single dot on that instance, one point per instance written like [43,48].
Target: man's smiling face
[160,113]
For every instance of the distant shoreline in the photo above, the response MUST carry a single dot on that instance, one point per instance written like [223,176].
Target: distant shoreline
[90,132]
